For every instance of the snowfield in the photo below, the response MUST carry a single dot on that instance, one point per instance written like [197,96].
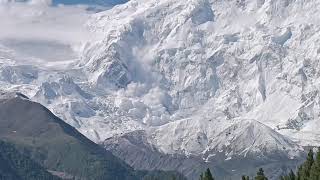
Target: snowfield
[199,76]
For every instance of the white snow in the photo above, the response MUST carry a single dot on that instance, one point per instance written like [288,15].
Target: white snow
[187,72]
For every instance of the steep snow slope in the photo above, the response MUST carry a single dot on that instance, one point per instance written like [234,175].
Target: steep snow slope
[218,60]
[243,138]
[200,76]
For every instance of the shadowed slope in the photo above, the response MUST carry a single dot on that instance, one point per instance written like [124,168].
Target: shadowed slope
[56,145]
[16,166]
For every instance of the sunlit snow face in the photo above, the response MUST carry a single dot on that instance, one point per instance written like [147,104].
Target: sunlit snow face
[38,30]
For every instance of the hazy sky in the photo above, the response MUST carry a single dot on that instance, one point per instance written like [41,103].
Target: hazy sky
[37,29]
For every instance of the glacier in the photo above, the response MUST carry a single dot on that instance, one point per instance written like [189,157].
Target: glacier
[198,77]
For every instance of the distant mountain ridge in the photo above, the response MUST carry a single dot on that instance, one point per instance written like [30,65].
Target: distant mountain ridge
[135,149]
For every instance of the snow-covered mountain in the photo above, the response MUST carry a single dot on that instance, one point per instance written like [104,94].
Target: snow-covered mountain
[199,77]
[211,60]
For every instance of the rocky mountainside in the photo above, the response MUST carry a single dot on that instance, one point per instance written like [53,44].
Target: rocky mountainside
[53,144]
[216,80]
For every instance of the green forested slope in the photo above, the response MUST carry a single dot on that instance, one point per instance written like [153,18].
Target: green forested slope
[16,166]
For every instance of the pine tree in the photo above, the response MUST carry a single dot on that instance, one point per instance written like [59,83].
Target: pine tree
[306,167]
[298,177]
[245,177]
[201,176]
[260,175]
[291,176]
[207,175]
[315,168]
